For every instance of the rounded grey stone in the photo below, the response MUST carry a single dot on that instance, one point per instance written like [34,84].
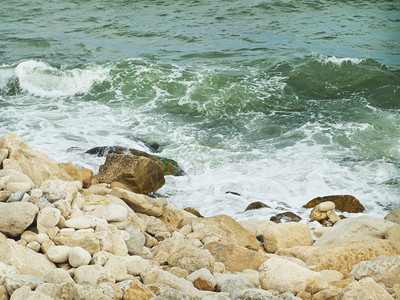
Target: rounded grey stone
[171,294]
[16,197]
[42,203]
[53,195]
[136,241]
[234,286]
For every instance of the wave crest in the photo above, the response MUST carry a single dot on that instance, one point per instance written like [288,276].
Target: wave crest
[40,79]
[325,59]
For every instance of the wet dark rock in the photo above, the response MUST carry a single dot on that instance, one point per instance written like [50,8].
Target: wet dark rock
[260,238]
[140,174]
[393,181]
[285,217]
[256,205]
[233,193]
[193,211]
[344,203]
[153,147]
[168,166]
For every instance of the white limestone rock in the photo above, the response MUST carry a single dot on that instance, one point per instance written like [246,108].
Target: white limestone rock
[48,217]
[141,203]
[325,206]
[136,265]
[116,266]
[296,278]
[79,223]
[79,257]
[235,286]
[255,293]
[25,293]
[16,217]
[135,242]
[331,275]
[383,269]
[13,282]
[354,229]
[366,288]
[58,276]
[92,275]
[87,292]
[58,254]
[202,279]
[155,275]
[35,246]
[72,188]
[100,258]
[286,235]
[6,270]
[25,260]
[394,216]
[110,213]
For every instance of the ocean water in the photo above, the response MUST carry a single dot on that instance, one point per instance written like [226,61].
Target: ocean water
[279,101]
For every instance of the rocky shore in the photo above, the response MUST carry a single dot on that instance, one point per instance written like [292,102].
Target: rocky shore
[66,233]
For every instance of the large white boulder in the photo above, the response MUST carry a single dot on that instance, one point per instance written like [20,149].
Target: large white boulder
[15,217]
[284,275]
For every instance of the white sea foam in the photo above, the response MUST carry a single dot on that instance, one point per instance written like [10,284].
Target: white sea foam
[287,177]
[40,79]
[6,73]
[324,59]
[308,165]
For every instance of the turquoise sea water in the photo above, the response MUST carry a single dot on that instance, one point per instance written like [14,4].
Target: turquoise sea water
[280,101]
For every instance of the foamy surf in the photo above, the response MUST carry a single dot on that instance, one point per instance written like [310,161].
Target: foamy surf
[249,129]
[325,59]
[41,79]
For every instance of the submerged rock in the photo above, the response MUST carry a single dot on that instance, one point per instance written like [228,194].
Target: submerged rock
[233,193]
[168,166]
[285,217]
[193,211]
[344,203]
[256,205]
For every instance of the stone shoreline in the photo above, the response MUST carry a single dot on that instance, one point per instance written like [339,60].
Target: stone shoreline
[65,235]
